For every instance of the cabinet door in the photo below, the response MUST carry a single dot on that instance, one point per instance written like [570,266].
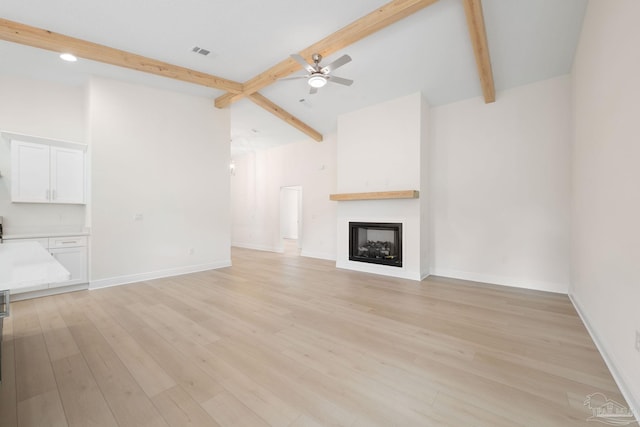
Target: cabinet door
[67,175]
[75,261]
[29,172]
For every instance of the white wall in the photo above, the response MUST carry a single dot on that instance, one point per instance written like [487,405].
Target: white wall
[42,109]
[606,186]
[379,149]
[255,196]
[500,189]
[165,156]
[379,146]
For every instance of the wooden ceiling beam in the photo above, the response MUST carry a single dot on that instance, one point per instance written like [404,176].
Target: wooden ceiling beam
[31,36]
[43,39]
[263,102]
[382,17]
[477,31]
[357,30]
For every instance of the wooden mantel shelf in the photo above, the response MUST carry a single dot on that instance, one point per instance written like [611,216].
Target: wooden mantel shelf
[378,195]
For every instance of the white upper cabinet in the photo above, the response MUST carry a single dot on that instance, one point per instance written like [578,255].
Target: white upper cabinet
[30,172]
[67,175]
[45,172]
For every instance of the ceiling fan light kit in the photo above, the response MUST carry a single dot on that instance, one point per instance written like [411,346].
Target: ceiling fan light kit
[317,80]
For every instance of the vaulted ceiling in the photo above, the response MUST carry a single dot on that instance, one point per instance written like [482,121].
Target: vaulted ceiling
[428,51]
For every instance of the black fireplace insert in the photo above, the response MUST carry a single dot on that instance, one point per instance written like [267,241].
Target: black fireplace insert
[376,242]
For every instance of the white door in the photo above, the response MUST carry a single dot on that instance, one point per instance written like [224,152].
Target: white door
[289,213]
[29,172]
[67,175]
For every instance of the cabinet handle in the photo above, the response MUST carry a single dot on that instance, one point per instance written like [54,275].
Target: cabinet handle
[46,194]
[53,194]
[67,242]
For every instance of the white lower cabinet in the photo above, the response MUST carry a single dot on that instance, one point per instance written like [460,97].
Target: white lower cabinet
[75,261]
[70,251]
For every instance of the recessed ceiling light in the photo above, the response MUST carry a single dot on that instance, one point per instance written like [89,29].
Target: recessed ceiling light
[69,57]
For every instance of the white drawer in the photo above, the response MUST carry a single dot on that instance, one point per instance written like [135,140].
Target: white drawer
[43,241]
[67,242]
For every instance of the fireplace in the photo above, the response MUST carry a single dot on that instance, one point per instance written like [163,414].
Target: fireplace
[376,242]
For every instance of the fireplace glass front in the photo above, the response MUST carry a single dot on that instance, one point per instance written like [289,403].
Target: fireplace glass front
[376,242]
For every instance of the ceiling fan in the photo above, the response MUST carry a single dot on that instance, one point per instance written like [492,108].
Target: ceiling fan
[319,75]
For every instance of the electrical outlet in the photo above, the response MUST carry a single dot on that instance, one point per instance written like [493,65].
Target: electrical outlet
[638,341]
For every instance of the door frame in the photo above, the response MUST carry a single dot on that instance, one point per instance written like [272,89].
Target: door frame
[284,188]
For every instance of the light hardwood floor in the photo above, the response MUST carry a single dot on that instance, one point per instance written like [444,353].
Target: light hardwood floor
[281,340]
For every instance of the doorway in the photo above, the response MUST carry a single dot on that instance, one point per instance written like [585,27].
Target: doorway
[291,219]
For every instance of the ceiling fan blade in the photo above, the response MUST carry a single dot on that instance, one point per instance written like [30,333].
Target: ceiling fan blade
[344,59]
[295,78]
[313,90]
[302,62]
[340,80]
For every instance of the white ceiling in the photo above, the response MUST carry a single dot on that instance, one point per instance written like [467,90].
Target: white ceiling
[430,51]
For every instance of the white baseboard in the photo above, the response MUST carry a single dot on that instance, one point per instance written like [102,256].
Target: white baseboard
[513,282]
[139,277]
[318,255]
[609,360]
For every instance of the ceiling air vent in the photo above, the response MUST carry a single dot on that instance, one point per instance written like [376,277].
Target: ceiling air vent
[201,51]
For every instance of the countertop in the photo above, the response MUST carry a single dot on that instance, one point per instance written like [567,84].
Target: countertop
[28,264]
[43,234]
